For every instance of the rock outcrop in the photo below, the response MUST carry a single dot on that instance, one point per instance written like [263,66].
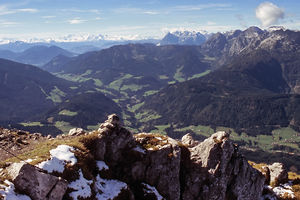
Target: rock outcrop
[213,169]
[216,170]
[145,166]
[76,132]
[35,183]
[278,174]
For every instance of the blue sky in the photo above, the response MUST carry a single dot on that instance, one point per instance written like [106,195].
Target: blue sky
[54,18]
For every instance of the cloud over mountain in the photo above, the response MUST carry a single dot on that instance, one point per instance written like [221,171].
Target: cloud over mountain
[268,13]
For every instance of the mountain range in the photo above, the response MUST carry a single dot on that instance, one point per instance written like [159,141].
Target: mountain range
[184,38]
[244,80]
[36,55]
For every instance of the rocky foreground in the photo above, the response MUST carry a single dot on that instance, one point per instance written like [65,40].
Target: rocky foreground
[112,163]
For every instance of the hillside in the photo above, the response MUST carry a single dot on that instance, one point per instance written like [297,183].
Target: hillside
[82,110]
[37,100]
[36,55]
[250,94]
[26,90]
[129,73]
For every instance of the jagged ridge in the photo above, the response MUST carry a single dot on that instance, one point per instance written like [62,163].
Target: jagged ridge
[143,165]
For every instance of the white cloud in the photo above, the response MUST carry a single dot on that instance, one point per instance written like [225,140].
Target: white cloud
[268,13]
[200,7]
[7,23]
[4,10]
[150,12]
[48,17]
[72,10]
[28,10]
[132,10]
[76,21]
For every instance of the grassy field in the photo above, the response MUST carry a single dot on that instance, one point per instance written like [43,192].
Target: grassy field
[31,124]
[63,126]
[67,113]
[200,75]
[178,76]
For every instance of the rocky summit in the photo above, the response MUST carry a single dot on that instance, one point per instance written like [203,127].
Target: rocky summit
[112,163]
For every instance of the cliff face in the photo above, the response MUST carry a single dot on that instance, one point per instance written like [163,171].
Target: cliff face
[142,166]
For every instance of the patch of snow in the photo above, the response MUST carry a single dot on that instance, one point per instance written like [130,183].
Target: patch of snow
[8,192]
[159,138]
[81,186]
[284,189]
[102,165]
[139,149]
[59,157]
[108,189]
[151,189]
[276,28]
[29,160]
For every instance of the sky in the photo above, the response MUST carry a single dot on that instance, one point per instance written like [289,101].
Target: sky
[140,18]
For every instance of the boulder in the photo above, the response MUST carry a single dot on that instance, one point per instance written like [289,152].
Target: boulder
[76,132]
[188,140]
[38,185]
[216,170]
[278,174]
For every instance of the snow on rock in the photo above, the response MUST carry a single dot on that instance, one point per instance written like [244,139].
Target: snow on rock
[151,189]
[81,186]
[284,190]
[61,155]
[108,189]
[102,165]
[8,192]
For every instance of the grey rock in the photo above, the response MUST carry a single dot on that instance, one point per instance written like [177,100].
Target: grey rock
[217,171]
[278,174]
[188,140]
[113,140]
[161,166]
[36,184]
[76,132]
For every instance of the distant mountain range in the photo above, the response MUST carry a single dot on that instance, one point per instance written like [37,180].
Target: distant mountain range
[183,38]
[77,47]
[85,43]
[36,55]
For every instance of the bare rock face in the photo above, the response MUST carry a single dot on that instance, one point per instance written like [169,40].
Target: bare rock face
[76,132]
[160,166]
[149,158]
[278,173]
[188,140]
[217,171]
[35,183]
[189,170]
[113,141]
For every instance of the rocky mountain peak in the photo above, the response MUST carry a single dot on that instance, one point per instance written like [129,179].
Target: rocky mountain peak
[183,38]
[253,31]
